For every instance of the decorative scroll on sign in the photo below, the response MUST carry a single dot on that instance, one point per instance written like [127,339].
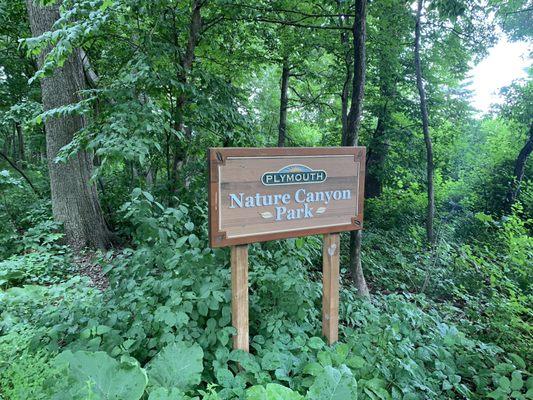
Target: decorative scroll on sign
[259,194]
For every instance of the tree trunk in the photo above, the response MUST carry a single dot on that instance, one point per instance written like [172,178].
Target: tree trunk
[20,141]
[5,147]
[283,104]
[520,167]
[14,150]
[358,86]
[425,128]
[352,133]
[74,199]
[345,95]
[151,177]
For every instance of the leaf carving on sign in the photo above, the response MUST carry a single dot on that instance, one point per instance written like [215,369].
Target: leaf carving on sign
[331,249]
[321,210]
[266,215]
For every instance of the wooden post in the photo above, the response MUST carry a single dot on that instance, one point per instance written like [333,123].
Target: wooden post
[330,282]
[239,296]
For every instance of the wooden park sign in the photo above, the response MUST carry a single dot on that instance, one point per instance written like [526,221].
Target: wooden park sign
[260,194]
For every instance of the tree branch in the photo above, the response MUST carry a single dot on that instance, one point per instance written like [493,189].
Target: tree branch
[296,12]
[14,166]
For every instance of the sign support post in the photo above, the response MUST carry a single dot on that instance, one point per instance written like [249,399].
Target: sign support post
[239,296]
[261,194]
[330,284]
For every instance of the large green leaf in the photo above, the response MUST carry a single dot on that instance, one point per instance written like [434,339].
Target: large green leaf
[272,391]
[98,376]
[178,365]
[376,388]
[334,384]
[167,394]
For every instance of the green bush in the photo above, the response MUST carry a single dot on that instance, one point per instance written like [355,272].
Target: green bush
[164,322]
[24,373]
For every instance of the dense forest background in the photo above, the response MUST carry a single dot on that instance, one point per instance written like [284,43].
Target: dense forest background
[108,288]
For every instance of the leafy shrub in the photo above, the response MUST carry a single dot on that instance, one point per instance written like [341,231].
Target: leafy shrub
[96,375]
[24,374]
[168,307]
[40,267]
[58,309]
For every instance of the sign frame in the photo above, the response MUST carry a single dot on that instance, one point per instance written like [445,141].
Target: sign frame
[217,156]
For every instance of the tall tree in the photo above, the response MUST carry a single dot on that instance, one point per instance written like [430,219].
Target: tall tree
[20,141]
[352,132]
[17,69]
[185,66]
[386,48]
[348,78]
[284,103]
[74,198]
[359,75]
[520,167]
[430,167]
[518,109]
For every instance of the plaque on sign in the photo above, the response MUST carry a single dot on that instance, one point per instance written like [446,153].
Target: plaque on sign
[259,194]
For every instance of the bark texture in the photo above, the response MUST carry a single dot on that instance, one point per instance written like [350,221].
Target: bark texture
[520,167]
[74,199]
[352,132]
[425,128]
[283,104]
[359,74]
[345,94]
[20,141]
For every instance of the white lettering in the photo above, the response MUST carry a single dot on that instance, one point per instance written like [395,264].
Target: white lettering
[249,202]
[291,214]
[235,200]
[301,196]
[280,211]
[297,196]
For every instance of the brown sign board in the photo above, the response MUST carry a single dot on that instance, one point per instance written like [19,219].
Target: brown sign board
[260,194]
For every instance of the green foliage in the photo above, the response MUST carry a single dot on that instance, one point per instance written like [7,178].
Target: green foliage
[6,180]
[399,346]
[449,322]
[272,391]
[177,366]
[41,267]
[98,376]
[44,260]
[24,374]
[334,384]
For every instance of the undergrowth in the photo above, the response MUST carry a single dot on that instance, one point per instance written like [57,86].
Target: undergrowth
[454,324]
